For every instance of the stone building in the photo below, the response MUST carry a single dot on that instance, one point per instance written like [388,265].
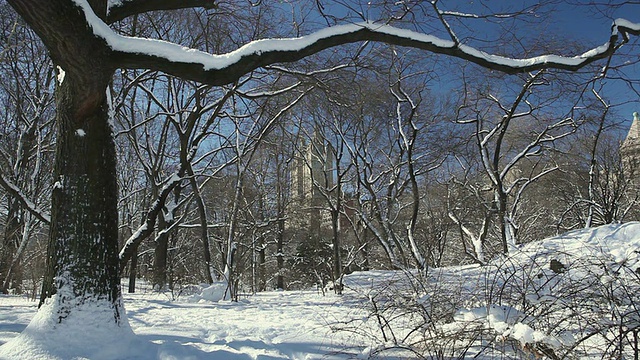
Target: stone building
[630,149]
[313,178]
[310,225]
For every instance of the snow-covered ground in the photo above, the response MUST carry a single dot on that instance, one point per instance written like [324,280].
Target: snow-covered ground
[515,307]
[270,325]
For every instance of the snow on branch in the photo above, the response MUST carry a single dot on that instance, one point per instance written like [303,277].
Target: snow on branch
[220,69]
[625,27]
[130,246]
[15,191]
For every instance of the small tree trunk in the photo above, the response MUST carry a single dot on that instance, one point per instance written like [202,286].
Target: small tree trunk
[133,271]
[229,267]
[262,262]
[505,234]
[166,221]
[8,255]
[204,230]
[160,256]
[280,254]
[337,258]
[14,274]
[280,232]
[363,244]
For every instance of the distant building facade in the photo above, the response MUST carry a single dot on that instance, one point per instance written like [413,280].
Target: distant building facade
[630,148]
[313,176]
[313,190]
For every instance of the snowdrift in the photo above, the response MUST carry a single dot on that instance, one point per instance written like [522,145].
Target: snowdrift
[573,296]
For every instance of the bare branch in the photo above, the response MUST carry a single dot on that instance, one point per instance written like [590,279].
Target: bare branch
[124,9]
[11,188]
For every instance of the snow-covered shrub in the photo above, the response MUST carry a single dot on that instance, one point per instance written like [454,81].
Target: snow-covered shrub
[517,307]
[404,316]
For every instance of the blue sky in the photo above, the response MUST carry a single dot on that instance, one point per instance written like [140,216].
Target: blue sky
[567,22]
[587,27]
[592,29]
[572,23]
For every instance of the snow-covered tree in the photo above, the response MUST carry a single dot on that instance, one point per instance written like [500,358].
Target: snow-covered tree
[511,137]
[26,138]
[83,269]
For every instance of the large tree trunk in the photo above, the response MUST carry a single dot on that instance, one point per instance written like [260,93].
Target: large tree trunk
[82,269]
[83,246]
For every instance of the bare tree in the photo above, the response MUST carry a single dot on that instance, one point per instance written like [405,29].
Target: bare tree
[83,252]
[510,141]
[27,137]
[604,190]
[390,163]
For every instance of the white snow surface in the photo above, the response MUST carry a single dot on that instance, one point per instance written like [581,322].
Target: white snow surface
[302,324]
[60,75]
[270,325]
[626,23]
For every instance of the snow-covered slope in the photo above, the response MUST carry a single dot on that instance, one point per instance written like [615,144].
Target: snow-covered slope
[574,296]
[515,307]
[618,243]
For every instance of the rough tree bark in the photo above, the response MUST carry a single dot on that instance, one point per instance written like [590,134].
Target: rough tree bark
[83,243]
[84,215]
[82,261]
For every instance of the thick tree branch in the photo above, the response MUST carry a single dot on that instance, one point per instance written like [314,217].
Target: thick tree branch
[222,69]
[124,9]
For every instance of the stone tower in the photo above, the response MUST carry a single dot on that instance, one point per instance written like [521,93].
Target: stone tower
[314,172]
[313,179]
[630,149]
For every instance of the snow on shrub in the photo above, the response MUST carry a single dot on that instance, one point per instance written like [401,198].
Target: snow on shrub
[570,296]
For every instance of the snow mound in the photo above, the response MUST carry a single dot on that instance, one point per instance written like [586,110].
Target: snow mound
[553,294]
[90,332]
[619,243]
[215,292]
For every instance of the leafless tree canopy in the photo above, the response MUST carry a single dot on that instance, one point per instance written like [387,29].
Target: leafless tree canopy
[286,144]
